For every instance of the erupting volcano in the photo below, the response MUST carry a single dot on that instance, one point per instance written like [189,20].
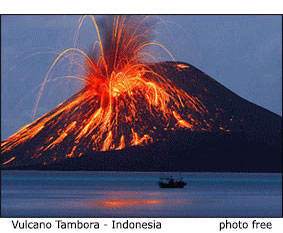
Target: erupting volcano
[132,111]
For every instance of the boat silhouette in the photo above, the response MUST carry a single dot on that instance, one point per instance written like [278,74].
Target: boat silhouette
[171,183]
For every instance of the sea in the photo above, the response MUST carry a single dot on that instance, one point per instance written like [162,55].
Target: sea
[137,194]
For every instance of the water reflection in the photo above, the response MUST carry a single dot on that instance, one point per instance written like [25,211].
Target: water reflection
[116,203]
[128,199]
[91,194]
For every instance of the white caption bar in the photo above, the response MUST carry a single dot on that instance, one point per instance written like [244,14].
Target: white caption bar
[165,225]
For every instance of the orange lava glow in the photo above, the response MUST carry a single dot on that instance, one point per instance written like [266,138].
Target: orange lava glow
[124,102]
[182,66]
[8,161]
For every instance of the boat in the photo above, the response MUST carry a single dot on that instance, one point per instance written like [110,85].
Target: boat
[171,183]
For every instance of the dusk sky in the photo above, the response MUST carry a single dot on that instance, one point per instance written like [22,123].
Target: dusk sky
[244,53]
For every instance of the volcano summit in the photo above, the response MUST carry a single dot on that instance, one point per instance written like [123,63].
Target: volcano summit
[133,114]
[227,134]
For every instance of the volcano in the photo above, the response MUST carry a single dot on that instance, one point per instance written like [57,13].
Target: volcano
[139,115]
[228,134]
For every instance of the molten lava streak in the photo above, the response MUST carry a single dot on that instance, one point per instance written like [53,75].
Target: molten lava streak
[125,100]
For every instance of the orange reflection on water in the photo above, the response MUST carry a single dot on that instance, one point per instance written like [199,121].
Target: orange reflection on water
[125,203]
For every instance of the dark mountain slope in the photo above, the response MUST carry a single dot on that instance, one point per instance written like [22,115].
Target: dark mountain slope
[240,136]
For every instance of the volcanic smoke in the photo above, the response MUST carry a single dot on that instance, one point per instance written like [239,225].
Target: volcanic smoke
[127,99]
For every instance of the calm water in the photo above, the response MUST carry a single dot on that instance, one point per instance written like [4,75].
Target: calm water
[130,194]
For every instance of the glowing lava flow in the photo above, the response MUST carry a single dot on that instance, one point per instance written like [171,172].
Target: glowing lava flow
[125,101]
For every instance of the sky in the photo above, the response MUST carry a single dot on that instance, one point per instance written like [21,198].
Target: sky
[244,53]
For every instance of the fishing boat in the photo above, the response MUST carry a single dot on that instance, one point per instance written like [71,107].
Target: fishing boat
[171,183]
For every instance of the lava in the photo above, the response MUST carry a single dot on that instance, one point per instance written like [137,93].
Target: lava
[125,100]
